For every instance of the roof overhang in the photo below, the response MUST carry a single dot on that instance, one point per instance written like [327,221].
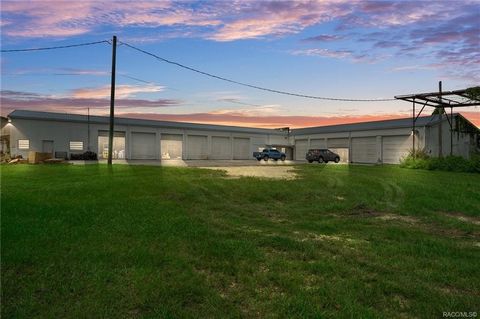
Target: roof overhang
[447,99]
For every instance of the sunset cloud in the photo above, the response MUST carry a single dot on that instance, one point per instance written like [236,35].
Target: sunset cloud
[271,121]
[121,91]
[16,100]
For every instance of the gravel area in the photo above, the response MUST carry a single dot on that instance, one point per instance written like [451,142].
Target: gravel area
[277,172]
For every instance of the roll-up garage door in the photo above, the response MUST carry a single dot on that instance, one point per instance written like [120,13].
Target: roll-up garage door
[318,143]
[395,147]
[197,147]
[221,147]
[337,143]
[364,150]
[171,146]
[301,148]
[241,148]
[143,145]
[339,146]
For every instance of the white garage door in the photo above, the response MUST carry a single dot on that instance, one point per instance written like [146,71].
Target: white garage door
[337,143]
[171,146]
[318,143]
[241,148]
[364,150]
[342,152]
[395,147]
[197,147]
[143,145]
[221,147]
[301,147]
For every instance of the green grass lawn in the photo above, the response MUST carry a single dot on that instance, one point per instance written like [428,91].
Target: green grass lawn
[165,242]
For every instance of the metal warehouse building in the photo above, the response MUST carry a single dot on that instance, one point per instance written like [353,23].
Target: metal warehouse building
[368,142]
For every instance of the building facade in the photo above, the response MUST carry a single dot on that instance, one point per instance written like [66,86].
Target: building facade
[368,142]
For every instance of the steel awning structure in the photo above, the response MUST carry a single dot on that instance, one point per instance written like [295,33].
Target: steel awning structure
[441,100]
[447,99]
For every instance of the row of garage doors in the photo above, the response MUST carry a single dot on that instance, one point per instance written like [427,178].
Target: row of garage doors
[143,146]
[363,149]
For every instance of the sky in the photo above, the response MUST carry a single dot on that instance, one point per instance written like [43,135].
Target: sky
[330,48]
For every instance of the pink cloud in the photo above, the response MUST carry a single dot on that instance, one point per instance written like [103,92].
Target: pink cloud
[121,91]
[15,100]
[259,19]
[270,121]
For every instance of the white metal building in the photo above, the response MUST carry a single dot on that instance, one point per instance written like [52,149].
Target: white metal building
[64,134]
[388,141]
[368,142]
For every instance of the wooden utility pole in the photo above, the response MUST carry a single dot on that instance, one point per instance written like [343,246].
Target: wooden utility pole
[413,129]
[88,128]
[440,115]
[112,100]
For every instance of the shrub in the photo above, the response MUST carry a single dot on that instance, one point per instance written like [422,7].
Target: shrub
[87,156]
[447,163]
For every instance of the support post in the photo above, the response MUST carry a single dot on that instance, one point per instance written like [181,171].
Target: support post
[440,114]
[88,129]
[112,100]
[451,131]
[413,129]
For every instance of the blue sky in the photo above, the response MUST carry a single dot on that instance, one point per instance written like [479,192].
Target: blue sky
[346,49]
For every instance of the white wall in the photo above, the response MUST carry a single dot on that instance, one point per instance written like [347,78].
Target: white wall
[64,132]
[314,140]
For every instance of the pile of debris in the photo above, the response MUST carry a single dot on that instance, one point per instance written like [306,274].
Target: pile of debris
[17,160]
[36,158]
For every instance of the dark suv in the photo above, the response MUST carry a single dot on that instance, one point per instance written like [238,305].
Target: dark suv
[322,156]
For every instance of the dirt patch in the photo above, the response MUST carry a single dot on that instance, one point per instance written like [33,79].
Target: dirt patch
[324,237]
[363,211]
[464,218]
[276,172]
[406,219]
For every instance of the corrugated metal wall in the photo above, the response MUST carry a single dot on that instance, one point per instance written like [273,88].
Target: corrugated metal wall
[221,147]
[143,145]
[241,148]
[197,147]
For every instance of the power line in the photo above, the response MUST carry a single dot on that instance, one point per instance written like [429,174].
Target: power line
[135,79]
[250,85]
[57,47]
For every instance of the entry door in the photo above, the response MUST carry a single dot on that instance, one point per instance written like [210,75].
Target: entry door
[47,146]
[301,148]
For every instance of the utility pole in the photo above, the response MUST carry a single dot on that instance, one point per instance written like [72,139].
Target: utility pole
[88,128]
[440,115]
[112,100]
[413,129]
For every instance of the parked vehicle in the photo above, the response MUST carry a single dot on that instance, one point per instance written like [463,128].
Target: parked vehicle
[322,156]
[268,153]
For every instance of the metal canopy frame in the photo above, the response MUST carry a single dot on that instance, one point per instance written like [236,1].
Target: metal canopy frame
[439,100]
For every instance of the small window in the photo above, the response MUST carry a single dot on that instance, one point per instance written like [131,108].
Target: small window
[76,146]
[23,144]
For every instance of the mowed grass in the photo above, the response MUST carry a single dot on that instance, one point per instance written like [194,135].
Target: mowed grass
[165,242]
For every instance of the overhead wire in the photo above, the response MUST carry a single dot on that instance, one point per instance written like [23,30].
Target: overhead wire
[55,47]
[250,85]
[197,71]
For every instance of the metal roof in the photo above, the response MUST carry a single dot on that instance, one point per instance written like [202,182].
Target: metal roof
[458,98]
[64,117]
[373,125]
[363,126]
